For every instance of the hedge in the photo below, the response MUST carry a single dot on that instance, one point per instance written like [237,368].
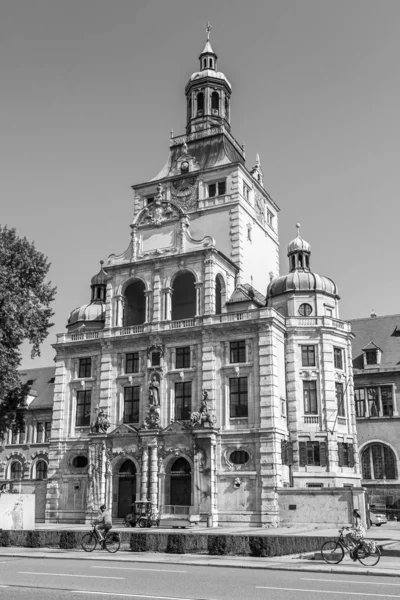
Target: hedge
[193,542]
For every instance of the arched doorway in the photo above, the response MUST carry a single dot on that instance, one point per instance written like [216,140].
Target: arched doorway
[183,297]
[126,488]
[135,304]
[181,483]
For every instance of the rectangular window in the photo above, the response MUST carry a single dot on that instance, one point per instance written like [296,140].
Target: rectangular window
[246,192]
[359,395]
[39,433]
[238,397]
[238,351]
[371,357]
[340,399]
[85,367]
[345,454]
[14,436]
[47,431]
[308,356]
[150,200]
[183,400]
[310,397]
[216,189]
[387,400]
[132,362]
[182,360]
[328,311]
[286,452]
[338,358]
[83,407]
[131,404]
[313,453]
[373,401]
[155,359]
[270,218]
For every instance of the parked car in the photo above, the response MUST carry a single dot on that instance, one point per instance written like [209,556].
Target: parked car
[377,519]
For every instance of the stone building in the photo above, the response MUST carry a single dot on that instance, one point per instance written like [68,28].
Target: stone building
[180,382]
[376,356]
[24,455]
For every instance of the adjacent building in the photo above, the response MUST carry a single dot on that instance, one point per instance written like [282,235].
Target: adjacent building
[376,366]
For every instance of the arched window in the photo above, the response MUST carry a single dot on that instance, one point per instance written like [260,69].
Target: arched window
[41,470]
[215,101]
[218,294]
[183,297]
[378,462]
[200,101]
[16,471]
[226,108]
[135,304]
[127,468]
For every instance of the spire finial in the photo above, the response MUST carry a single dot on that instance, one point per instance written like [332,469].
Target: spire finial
[298,229]
[208,28]
[101,263]
[257,160]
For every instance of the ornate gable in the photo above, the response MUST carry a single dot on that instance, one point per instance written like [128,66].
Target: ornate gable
[124,429]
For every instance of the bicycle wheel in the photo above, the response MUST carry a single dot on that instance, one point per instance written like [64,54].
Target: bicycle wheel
[332,552]
[112,542]
[369,559]
[89,542]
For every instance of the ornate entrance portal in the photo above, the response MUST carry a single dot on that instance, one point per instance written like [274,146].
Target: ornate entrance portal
[126,488]
[181,483]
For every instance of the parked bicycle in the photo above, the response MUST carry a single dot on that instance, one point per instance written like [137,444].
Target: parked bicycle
[333,551]
[111,542]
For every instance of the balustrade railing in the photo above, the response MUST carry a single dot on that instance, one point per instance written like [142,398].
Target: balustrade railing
[311,419]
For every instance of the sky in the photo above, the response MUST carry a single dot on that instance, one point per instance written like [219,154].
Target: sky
[90,90]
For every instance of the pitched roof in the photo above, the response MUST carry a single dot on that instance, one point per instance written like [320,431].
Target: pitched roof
[384,332]
[245,293]
[42,386]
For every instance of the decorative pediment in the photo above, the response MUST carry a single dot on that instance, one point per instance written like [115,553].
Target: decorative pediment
[124,429]
[158,212]
[371,346]
[184,192]
[176,427]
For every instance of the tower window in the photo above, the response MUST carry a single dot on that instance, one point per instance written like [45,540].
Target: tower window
[149,200]
[338,358]
[308,356]
[200,101]
[83,404]
[238,397]
[215,101]
[216,189]
[238,351]
[310,397]
[204,63]
[341,411]
[270,218]
[131,404]
[132,362]
[183,400]
[210,62]
[85,367]
[183,358]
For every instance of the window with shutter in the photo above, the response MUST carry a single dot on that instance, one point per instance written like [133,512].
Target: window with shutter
[351,455]
[323,454]
[303,453]
[340,454]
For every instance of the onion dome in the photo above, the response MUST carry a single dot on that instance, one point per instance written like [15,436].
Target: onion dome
[101,277]
[300,278]
[87,313]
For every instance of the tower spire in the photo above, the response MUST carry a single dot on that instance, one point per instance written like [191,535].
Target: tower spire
[208,28]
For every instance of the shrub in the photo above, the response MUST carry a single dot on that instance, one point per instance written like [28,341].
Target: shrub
[138,542]
[68,540]
[175,544]
[5,538]
[217,545]
[34,539]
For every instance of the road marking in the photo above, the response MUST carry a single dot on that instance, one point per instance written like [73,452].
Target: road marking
[69,575]
[263,587]
[138,569]
[348,581]
[135,595]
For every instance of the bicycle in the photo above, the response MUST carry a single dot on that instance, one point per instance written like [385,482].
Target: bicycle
[111,542]
[333,551]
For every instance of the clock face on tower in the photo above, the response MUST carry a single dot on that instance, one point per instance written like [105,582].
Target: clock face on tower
[184,192]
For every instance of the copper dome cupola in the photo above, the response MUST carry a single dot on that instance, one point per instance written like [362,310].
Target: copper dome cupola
[300,277]
[91,315]
[208,93]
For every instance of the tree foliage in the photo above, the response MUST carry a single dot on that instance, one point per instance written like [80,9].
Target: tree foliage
[25,315]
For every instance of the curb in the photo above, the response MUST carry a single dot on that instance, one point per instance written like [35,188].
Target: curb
[207,563]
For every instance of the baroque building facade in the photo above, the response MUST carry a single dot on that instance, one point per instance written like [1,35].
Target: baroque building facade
[182,384]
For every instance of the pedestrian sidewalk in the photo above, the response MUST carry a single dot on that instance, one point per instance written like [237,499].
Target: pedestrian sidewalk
[388,566]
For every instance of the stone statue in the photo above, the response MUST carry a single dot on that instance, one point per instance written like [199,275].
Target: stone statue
[203,416]
[101,424]
[152,421]
[154,392]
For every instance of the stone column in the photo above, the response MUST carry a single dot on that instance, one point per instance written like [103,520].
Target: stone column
[199,287]
[119,311]
[145,473]
[148,294]
[167,297]
[153,476]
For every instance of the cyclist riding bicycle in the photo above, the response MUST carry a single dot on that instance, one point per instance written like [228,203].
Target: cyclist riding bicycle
[103,522]
[356,535]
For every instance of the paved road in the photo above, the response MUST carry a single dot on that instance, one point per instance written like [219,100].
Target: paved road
[52,579]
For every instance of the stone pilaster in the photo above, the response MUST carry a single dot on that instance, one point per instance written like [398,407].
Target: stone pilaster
[153,496]
[209,284]
[145,473]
